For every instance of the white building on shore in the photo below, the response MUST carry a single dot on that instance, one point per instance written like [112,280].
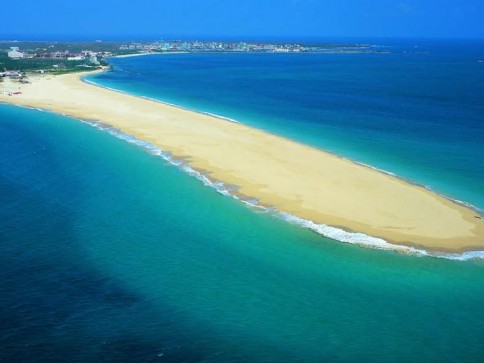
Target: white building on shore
[75,58]
[15,53]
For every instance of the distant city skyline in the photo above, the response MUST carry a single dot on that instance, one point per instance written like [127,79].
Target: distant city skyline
[244,19]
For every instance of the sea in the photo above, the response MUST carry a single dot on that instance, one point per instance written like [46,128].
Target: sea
[111,251]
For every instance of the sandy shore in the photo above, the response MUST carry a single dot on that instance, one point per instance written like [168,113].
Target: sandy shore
[292,177]
[132,55]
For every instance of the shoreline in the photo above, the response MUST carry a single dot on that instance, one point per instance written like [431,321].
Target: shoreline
[462,230]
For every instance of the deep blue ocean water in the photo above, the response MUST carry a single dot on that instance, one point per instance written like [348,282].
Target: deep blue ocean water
[110,254]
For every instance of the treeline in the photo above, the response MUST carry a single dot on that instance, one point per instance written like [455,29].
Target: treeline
[73,47]
[37,64]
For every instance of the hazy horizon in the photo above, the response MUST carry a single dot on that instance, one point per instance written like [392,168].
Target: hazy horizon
[215,38]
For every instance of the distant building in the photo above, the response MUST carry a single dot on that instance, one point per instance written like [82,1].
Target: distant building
[15,54]
[93,60]
[87,53]
[75,58]
[12,74]
[59,54]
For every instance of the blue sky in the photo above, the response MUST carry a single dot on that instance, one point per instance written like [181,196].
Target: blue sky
[263,19]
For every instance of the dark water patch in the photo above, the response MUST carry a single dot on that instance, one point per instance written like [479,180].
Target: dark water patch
[54,306]
[48,299]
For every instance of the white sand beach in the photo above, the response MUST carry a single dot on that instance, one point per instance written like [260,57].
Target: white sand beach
[292,177]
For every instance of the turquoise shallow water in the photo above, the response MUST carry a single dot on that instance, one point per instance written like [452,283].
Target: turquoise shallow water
[107,253]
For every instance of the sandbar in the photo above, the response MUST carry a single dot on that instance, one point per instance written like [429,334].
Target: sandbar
[294,178]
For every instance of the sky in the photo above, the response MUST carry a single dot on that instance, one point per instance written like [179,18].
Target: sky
[238,19]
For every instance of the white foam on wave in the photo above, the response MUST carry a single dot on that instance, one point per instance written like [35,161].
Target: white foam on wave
[364,240]
[334,233]
[157,151]
[372,167]
[222,117]
[86,80]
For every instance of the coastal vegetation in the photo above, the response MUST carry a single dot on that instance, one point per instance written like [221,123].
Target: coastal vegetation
[52,46]
[52,57]
[38,64]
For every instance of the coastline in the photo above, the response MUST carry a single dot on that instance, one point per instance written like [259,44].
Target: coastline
[143,54]
[295,179]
